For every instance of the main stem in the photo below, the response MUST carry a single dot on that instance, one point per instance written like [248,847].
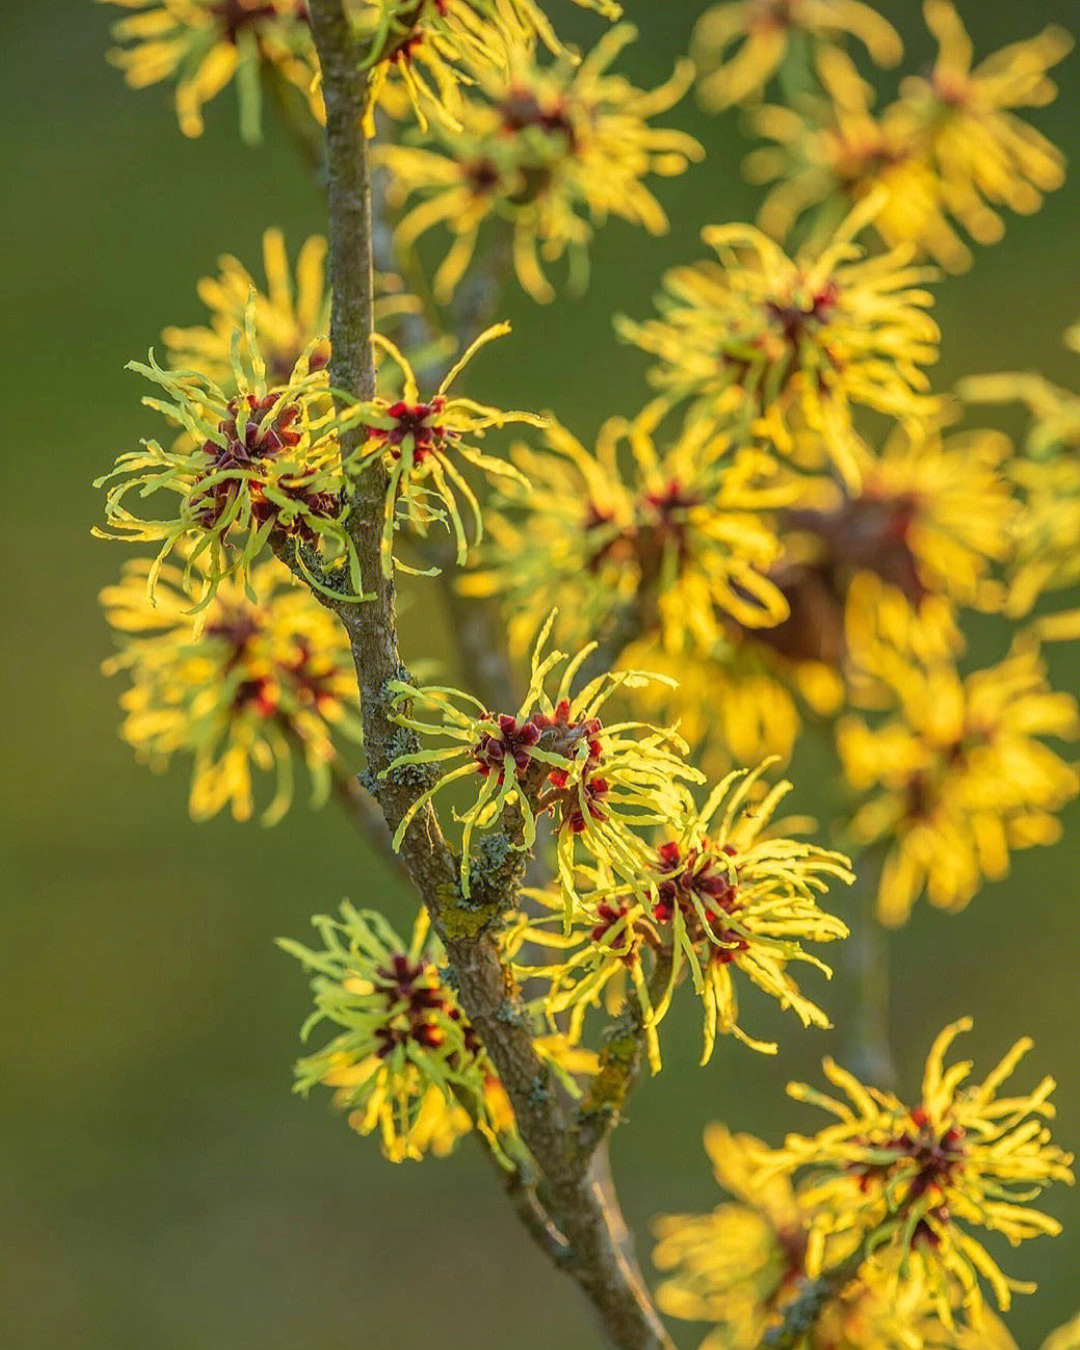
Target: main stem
[577,1206]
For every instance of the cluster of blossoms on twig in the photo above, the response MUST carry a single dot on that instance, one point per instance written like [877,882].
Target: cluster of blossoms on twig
[720,895]
[404,1061]
[790,529]
[601,784]
[255,459]
[888,1203]
[262,683]
[546,152]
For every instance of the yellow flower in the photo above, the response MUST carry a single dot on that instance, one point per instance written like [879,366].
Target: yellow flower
[600,784]
[1045,554]
[784,344]
[933,517]
[737,704]
[1064,1338]
[551,152]
[912,1183]
[261,460]
[203,44]
[288,317]
[717,896]
[765,31]
[422,445]
[833,151]
[957,776]
[260,684]
[983,154]
[740,1266]
[405,1062]
[681,537]
[736,1266]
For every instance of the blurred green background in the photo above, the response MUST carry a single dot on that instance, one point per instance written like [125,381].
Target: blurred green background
[161,1187]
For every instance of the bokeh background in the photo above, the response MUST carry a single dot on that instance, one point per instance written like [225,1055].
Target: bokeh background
[160,1187]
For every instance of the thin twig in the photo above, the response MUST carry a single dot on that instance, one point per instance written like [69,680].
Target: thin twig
[620,1068]
[802,1313]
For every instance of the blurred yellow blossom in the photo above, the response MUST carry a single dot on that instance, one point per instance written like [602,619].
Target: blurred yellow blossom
[956,774]
[765,31]
[737,1265]
[832,150]
[204,44]
[549,152]
[676,529]
[946,155]
[261,683]
[783,345]
[1045,556]
[983,154]
[288,316]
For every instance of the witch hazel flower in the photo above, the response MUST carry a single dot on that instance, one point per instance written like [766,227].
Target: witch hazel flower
[600,784]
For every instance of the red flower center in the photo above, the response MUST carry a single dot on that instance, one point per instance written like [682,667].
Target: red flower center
[418,421]
[797,319]
[704,890]
[412,998]
[258,441]
[513,741]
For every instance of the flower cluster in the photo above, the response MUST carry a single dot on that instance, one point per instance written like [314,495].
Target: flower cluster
[205,44]
[264,459]
[947,155]
[680,538]
[719,895]
[422,446]
[911,1183]
[422,52]
[547,150]
[764,33]
[955,774]
[783,345]
[261,683]
[404,1060]
[741,1266]
[600,784]
[928,531]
